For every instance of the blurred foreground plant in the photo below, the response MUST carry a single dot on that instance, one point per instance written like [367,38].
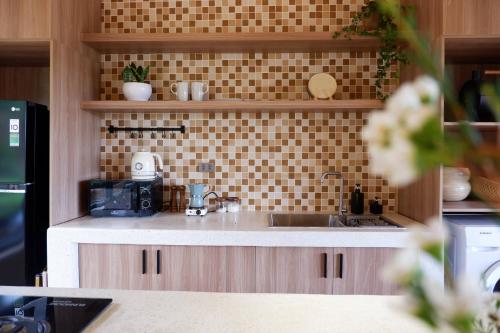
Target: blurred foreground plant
[463,307]
[404,141]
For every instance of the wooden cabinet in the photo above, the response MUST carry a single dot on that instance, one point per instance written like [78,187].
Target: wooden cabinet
[357,271]
[115,266]
[189,268]
[240,269]
[323,270]
[235,269]
[294,270]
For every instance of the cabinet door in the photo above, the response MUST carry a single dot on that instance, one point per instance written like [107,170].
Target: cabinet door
[240,269]
[190,268]
[294,270]
[357,271]
[115,266]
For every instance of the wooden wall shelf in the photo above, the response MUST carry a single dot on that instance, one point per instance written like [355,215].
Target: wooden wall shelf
[479,125]
[225,42]
[360,105]
[467,206]
[24,52]
[472,49]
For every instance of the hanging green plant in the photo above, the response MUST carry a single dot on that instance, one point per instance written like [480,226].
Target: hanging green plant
[371,21]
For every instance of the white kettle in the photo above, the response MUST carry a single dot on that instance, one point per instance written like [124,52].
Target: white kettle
[144,165]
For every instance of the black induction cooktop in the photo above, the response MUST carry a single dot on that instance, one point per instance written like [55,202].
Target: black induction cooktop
[27,314]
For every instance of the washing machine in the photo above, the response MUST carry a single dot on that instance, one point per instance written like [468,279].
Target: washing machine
[474,248]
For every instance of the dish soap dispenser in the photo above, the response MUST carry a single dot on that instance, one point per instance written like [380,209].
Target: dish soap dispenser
[357,200]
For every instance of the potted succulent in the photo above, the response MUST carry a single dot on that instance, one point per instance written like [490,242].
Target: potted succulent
[134,87]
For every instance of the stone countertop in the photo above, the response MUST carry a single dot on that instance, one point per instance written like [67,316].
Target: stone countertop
[228,229]
[162,311]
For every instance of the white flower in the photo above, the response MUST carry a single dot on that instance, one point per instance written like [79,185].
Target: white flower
[388,133]
[465,299]
[395,162]
[414,121]
[402,267]
[405,99]
[380,129]
[434,233]
[427,89]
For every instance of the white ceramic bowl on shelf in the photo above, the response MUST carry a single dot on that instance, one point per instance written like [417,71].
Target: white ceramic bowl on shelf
[137,91]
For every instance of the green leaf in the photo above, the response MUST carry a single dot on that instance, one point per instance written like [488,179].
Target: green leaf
[432,147]
[127,75]
[387,32]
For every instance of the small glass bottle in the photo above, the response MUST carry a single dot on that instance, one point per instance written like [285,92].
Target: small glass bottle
[220,205]
[233,204]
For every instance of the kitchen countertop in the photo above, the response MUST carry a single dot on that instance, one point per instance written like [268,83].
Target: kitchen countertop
[229,229]
[162,311]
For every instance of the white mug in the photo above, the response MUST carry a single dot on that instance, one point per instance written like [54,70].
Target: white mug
[198,91]
[181,90]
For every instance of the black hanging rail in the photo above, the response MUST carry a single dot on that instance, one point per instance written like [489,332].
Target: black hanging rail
[113,129]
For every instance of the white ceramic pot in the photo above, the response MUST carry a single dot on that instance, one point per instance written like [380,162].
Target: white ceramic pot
[456,185]
[137,91]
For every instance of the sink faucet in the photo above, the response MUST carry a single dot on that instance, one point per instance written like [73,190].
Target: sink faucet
[342,209]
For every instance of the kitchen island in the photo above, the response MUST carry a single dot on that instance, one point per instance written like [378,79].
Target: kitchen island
[163,311]
[243,229]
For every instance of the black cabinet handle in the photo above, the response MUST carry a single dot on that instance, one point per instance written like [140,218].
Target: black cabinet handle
[158,261]
[144,262]
[325,265]
[341,265]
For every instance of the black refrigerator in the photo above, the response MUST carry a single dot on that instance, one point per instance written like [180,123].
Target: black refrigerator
[24,191]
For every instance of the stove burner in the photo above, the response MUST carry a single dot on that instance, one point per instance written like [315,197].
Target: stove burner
[24,324]
[18,324]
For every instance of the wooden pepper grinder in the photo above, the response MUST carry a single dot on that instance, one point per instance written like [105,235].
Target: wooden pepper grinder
[173,199]
[182,204]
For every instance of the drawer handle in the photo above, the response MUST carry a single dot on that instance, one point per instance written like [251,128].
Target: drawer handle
[158,262]
[325,265]
[144,262]
[341,265]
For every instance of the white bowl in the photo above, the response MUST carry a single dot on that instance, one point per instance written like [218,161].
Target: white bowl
[137,91]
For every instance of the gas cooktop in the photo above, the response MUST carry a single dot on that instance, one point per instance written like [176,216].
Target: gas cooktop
[26,314]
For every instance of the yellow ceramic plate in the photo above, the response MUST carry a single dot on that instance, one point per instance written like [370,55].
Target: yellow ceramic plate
[322,86]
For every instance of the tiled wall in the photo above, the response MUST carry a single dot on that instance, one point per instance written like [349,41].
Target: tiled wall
[175,16]
[272,161]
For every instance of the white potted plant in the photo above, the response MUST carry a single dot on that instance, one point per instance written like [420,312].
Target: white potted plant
[134,87]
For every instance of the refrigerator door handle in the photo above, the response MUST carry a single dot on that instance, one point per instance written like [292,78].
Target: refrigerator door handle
[12,191]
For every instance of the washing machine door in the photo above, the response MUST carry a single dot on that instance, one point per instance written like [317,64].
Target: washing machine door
[492,278]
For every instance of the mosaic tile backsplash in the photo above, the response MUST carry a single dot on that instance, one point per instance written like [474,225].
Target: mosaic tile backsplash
[177,16]
[272,161]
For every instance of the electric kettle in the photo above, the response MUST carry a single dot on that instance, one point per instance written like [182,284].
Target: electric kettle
[144,165]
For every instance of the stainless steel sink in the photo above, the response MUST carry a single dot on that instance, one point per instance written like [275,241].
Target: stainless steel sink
[301,220]
[328,221]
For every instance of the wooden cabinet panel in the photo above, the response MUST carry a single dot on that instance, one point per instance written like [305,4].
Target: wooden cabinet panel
[24,19]
[191,268]
[235,269]
[114,266]
[357,271]
[240,269]
[466,17]
[294,270]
